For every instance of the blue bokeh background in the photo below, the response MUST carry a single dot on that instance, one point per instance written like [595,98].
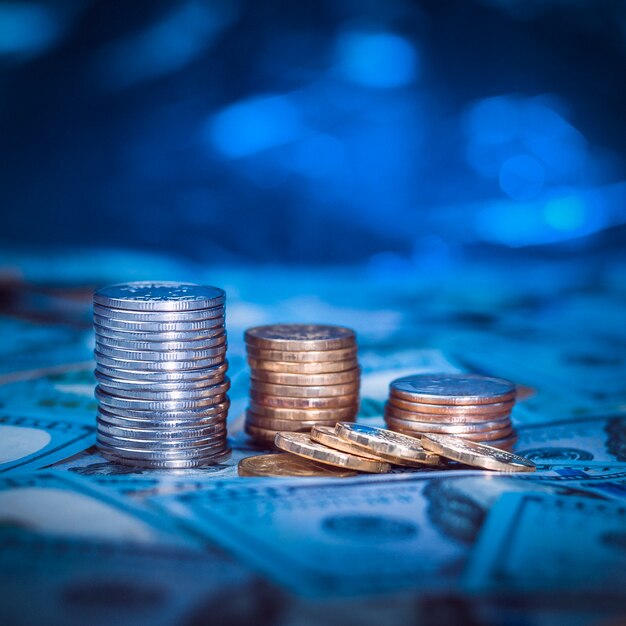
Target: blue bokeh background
[399,133]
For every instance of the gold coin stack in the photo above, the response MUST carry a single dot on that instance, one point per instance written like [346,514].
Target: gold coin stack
[474,408]
[301,375]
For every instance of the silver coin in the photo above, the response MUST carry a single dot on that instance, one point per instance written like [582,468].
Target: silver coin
[157,434]
[153,335]
[157,378]
[158,327]
[157,405]
[123,384]
[159,296]
[203,414]
[168,465]
[197,365]
[165,445]
[164,455]
[172,355]
[178,394]
[160,346]
[107,418]
[453,389]
[199,315]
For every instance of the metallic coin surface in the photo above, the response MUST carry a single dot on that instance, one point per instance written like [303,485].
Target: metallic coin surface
[185,329]
[450,429]
[199,315]
[302,445]
[336,378]
[111,419]
[163,455]
[157,366]
[161,346]
[156,405]
[186,415]
[171,355]
[167,465]
[391,444]
[476,454]
[125,384]
[445,410]
[265,399]
[294,391]
[456,389]
[400,427]
[218,430]
[327,436]
[318,415]
[300,337]
[179,394]
[156,377]
[286,367]
[288,465]
[442,418]
[165,445]
[159,296]
[288,425]
[313,356]
[261,435]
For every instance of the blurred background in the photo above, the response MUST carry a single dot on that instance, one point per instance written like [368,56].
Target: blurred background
[401,134]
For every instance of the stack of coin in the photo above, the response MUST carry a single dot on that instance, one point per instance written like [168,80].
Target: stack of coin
[301,375]
[161,372]
[471,407]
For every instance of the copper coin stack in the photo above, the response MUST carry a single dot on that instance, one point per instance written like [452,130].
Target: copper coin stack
[477,408]
[301,375]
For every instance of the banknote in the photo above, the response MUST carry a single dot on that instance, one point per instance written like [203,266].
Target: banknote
[28,442]
[398,532]
[79,580]
[62,504]
[535,543]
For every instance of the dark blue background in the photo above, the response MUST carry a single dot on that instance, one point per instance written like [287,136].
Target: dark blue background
[400,132]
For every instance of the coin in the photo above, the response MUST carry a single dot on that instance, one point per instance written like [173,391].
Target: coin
[456,389]
[198,365]
[163,455]
[294,391]
[111,419]
[288,465]
[155,434]
[156,405]
[300,337]
[199,315]
[159,296]
[174,346]
[167,464]
[185,329]
[445,410]
[442,418]
[317,415]
[186,415]
[476,454]
[327,436]
[264,436]
[149,355]
[446,428]
[279,378]
[123,384]
[156,377]
[161,445]
[313,356]
[323,367]
[301,444]
[288,425]
[392,444]
[304,403]
[209,391]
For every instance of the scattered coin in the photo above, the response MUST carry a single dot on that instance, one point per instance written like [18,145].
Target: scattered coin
[476,454]
[288,465]
[301,444]
[327,436]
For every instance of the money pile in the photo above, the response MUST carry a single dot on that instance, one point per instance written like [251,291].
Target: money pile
[301,375]
[161,372]
[472,407]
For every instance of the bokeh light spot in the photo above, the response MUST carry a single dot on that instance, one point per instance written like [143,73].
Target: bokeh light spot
[565,213]
[521,177]
[26,28]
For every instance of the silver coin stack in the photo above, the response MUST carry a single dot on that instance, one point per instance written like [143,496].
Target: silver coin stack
[161,372]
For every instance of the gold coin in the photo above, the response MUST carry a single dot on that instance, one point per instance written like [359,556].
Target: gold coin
[300,337]
[311,356]
[476,454]
[302,445]
[284,464]
[478,410]
[381,441]
[262,436]
[319,415]
[334,402]
[403,426]
[295,391]
[327,436]
[442,418]
[286,367]
[288,425]
[336,378]
[450,429]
